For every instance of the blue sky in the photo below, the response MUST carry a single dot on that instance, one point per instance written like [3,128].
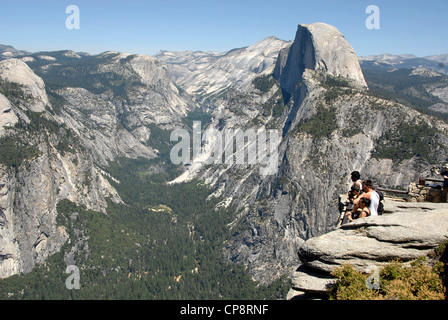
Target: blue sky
[144,27]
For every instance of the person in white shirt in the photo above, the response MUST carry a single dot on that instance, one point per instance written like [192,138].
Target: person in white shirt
[371,194]
[374,203]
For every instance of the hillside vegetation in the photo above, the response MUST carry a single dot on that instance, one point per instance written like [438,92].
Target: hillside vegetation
[424,279]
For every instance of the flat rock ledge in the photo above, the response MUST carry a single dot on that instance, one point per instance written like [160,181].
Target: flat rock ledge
[406,231]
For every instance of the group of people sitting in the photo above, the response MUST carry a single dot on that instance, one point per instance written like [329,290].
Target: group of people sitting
[444,174]
[363,200]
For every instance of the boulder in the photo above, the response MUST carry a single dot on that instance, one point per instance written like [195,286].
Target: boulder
[311,281]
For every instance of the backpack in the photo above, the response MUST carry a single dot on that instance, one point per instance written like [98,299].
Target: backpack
[380,204]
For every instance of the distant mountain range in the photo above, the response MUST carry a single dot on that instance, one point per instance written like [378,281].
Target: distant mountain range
[10,52]
[386,61]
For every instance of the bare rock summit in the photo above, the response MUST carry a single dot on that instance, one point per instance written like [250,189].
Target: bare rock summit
[318,46]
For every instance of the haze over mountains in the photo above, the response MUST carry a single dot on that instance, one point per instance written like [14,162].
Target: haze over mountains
[436,63]
[200,57]
[78,127]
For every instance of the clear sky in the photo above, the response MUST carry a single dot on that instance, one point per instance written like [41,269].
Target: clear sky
[145,27]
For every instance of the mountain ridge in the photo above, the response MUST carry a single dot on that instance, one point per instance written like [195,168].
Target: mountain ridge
[222,71]
[8,51]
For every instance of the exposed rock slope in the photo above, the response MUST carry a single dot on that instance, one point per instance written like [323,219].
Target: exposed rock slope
[210,75]
[318,46]
[17,72]
[121,97]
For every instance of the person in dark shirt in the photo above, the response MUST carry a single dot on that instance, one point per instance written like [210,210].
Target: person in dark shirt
[356,178]
[353,195]
[444,174]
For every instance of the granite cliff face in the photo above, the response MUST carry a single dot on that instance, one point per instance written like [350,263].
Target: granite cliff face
[16,71]
[318,46]
[114,109]
[407,231]
[44,166]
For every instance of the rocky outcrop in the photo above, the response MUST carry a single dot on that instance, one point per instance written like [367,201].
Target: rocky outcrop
[7,116]
[17,72]
[317,46]
[407,231]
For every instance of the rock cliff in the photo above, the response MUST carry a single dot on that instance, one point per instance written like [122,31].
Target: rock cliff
[17,72]
[317,46]
[407,231]
[113,110]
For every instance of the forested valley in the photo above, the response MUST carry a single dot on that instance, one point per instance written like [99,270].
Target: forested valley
[164,242]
